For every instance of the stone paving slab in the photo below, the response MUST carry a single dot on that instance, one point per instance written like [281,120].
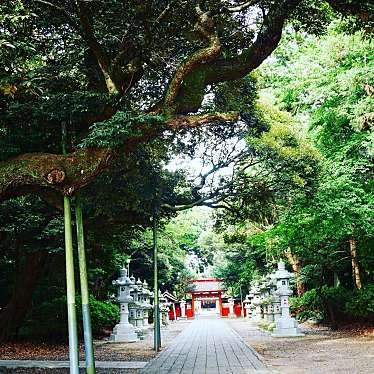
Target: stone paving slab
[207,346]
[12,364]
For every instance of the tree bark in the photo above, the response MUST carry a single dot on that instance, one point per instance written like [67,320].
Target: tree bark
[356,273]
[296,267]
[12,316]
[36,172]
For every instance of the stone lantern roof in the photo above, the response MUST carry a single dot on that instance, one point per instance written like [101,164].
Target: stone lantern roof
[282,273]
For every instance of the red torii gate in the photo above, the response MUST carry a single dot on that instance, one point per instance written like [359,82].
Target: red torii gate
[205,294]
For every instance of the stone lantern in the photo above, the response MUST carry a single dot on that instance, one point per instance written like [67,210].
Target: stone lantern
[264,293]
[269,301]
[256,302]
[275,299]
[123,331]
[285,325]
[231,307]
[139,317]
[133,304]
[147,303]
[183,309]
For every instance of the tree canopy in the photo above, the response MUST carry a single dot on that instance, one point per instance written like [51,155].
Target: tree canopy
[115,82]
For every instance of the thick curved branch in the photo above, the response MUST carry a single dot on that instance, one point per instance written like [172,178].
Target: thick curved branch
[181,122]
[205,27]
[242,6]
[362,9]
[38,172]
[222,70]
[95,46]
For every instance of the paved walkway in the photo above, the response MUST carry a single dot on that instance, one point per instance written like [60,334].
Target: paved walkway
[207,346]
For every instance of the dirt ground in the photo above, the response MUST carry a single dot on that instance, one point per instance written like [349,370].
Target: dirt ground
[104,351]
[320,351]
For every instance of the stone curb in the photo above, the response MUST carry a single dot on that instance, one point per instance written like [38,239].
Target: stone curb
[10,364]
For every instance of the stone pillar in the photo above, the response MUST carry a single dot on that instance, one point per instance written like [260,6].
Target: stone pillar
[247,306]
[231,308]
[218,312]
[123,331]
[175,313]
[183,309]
[285,325]
[162,301]
[167,306]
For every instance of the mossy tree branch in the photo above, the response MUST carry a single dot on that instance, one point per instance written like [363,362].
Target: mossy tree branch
[34,172]
[42,172]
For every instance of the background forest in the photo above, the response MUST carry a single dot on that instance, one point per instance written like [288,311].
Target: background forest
[324,228]
[293,178]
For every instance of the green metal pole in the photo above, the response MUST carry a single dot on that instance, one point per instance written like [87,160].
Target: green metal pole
[70,283]
[156,313]
[70,290]
[88,341]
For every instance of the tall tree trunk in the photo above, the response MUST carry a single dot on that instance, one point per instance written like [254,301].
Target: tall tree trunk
[12,316]
[295,262]
[356,274]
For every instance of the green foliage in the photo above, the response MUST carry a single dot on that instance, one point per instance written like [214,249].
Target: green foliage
[331,81]
[123,125]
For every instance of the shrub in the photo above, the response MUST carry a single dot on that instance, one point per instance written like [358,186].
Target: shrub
[308,306]
[314,303]
[104,314]
[49,319]
[361,304]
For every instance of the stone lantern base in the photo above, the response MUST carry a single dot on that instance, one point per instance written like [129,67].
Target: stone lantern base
[286,327]
[124,333]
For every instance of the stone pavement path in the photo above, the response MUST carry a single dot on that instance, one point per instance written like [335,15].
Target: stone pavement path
[207,346]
